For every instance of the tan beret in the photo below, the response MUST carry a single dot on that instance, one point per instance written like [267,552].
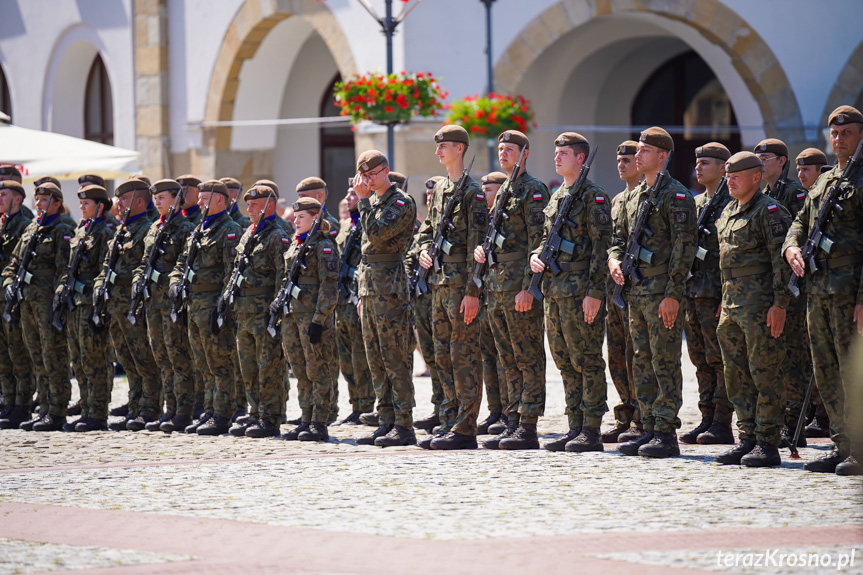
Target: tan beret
[10,172]
[845,115]
[742,161]
[45,180]
[94,192]
[141,177]
[91,179]
[166,185]
[14,186]
[232,183]
[627,148]
[214,186]
[570,139]
[307,204]
[771,146]
[50,189]
[811,157]
[658,137]
[712,150]
[493,178]
[269,184]
[260,191]
[430,183]
[189,180]
[514,137]
[131,186]
[369,160]
[397,178]
[310,184]
[452,133]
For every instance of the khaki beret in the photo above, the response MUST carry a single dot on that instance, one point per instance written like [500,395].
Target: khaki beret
[845,115]
[10,172]
[452,133]
[494,178]
[14,186]
[50,189]
[269,184]
[260,191]
[771,146]
[47,179]
[811,157]
[166,185]
[142,177]
[307,204]
[310,184]
[214,186]
[91,179]
[742,161]
[430,183]
[658,137]
[232,183]
[94,192]
[397,178]
[189,180]
[514,137]
[713,150]
[369,160]
[131,186]
[627,148]
[570,139]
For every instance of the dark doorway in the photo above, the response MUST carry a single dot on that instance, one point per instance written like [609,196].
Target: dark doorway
[98,107]
[685,97]
[5,99]
[337,151]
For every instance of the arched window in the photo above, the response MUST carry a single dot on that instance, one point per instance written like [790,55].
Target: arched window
[337,150]
[5,100]
[98,108]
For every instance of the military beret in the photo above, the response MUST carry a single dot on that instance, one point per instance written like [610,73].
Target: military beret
[94,192]
[627,148]
[268,183]
[307,204]
[50,189]
[397,178]
[14,186]
[514,137]
[142,177]
[10,172]
[845,115]
[771,146]
[166,185]
[811,157]
[713,150]
[452,133]
[658,137]
[47,179]
[309,184]
[494,178]
[91,179]
[570,139]
[214,186]
[189,180]
[259,191]
[232,183]
[742,161]
[369,160]
[430,183]
[131,186]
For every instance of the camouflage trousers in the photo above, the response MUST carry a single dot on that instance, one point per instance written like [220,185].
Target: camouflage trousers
[753,372]
[798,360]
[311,366]
[16,371]
[493,376]
[352,358]
[214,358]
[576,347]
[132,346]
[656,363]
[831,332]
[518,337]
[620,354]
[240,400]
[703,346]
[88,351]
[263,367]
[170,345]
[422,309]
[49,355]
[386,321]
[458,360]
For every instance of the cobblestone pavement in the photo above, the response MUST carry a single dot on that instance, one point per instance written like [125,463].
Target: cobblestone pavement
[150,502]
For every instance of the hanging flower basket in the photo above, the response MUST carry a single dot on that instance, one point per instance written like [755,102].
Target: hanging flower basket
[488,116]
[392,99]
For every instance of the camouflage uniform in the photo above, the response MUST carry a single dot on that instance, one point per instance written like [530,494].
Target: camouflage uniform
[388,222]
[457,355]
[754,279]
[493,375]
[518,335]
[240,401]
[656,363]
[575,345]
[49,354]
[331,342]
[16,372]
[202,400]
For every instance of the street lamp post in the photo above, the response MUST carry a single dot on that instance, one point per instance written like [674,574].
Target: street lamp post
[489,72]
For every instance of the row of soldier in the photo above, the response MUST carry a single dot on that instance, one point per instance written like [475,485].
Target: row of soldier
[714,267]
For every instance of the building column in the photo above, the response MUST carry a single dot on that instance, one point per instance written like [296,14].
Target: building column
[151,87]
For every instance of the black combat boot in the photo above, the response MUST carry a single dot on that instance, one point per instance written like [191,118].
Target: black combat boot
[763,455]
[198,411]
[294,434]
[317,431]
[178,424]
[632,447]
[482,426]
[788,438]
[240,414]
[352,419]
[70,426]
[370,419]
[524,437]
[120,424]
[216,425]
[820,427]
[428,423]
[613,435]
[50,423]
[121,411]
[28,424]
[499,426]
[733,455]
[379,432]
[691,436]
[18,415]
[588,440]
[5,410]
[157,425]
[91,424]
[193,427]
[139,423]
[826,463]
[662,445]
[262,428]
[239,429]
[426,441]
[632,434]
[397,437]
[718,434]
[453,441]
[559,444]
[511,425]
[74,409]
[849,467]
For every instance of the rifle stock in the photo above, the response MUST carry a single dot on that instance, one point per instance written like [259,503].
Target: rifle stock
[102,295]
[22,274]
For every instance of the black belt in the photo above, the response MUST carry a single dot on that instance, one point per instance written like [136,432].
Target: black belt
[745,271]
[459,257]
[654,271]
[832,263]
[381,258]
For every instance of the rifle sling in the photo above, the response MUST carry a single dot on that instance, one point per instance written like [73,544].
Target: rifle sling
[381,258]
[510,256]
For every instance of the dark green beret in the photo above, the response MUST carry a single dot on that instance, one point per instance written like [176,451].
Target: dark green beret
[742,161]
[166,185]
[269,184]
[494,178]
[189,180]
[50,189]
[369,160]
[10,172]
[713,150]
[627,148]
[570,139]
[45,180]
[259,191]
[141,177]
[131,186]
[14,186]
[310,184]
[397,178]
[845,115]
[231,183]
[214,186]
[94,192]
[771,146]
[658,137]
[514,137]
[811,157]
[307,204]
[91,179]
[452,133]
[430,183]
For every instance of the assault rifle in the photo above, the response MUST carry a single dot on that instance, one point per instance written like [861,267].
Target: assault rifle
[102,295]
[703,222]
[346,272]
[64,300]
[177,313]
[23,275]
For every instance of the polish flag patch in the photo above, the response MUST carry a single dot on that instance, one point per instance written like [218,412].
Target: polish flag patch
[334,233]
[600,200]
[232,236]
[537,197]
[801,196]
[480,197]
[286,240]
[67,238]
[772,208]
[328,250]
[680,196]
[400,202]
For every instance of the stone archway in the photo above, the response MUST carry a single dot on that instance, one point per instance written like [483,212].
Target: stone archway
[848,88]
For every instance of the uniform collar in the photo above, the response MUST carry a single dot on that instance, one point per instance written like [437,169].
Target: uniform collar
[211,219]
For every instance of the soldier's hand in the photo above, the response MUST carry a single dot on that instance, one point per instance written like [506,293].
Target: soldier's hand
[174,292]
[536,265]
[523,301]
[590,306]
[275,309]
[775,320]
[794,255]
[668,309]
[361,186]
[479,254]
[56,304]
[469,307]
[316,330]
[858,318]
[616,273]
[425,259]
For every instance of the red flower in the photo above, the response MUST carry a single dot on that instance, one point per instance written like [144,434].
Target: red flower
[388,109]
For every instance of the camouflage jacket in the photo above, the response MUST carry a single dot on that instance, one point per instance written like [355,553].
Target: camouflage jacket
[176,232]
[317,282]
[750,237]
[845,230]
[335,225]
[673,242]
[705,280]
[241,218]
[11,229]
[353,258]
[519,235]
[792,198]
[588,229]
[50,261]
[130,246]
[616,203]
[469,225]
[264,265]
[194,215]
[93,253]
[388,227]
